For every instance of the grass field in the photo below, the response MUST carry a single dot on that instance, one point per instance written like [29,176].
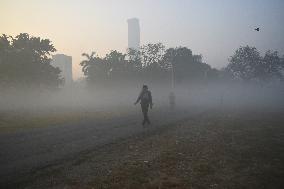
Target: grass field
[11,121]
[220,149]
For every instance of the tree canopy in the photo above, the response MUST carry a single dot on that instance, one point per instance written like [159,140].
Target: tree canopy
[248,65]
[151,63]
[25,62]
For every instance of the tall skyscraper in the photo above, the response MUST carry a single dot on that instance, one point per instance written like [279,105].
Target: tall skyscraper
[133,33]
[64,63]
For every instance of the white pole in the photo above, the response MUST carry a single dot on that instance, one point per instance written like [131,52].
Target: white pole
[173,80]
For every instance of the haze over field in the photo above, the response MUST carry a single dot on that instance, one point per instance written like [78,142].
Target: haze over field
[211,28]
[164,94]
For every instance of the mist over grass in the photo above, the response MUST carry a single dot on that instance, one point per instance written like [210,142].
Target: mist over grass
[30,84]
[214,95]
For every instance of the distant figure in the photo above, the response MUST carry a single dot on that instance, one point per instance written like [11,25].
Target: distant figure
[172,100]
[257,29]
[145,99]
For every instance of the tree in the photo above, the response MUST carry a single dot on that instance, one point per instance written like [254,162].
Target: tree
[243,64]
[134,58]
[186,66]
[117,64]
[152,54]
[25,62]
[271,67]
[151,64]
[247,65]
[94,68]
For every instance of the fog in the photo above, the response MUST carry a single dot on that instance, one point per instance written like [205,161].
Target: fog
[80,98]
[153,95]
[141,94]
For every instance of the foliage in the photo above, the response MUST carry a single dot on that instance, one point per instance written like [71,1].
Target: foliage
[152,63]
[271,66]
[248,65]
[25,62]
[94,68]
[117,64]
[152,54]
[186,66]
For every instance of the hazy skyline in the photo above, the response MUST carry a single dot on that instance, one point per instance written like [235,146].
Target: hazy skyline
[214,29]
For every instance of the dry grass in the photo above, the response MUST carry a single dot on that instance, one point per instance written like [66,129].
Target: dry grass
[21,120]
[216,150]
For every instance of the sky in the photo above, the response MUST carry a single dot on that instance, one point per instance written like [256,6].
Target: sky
[213,28]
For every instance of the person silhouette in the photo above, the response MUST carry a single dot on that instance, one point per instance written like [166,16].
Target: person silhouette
[145,99]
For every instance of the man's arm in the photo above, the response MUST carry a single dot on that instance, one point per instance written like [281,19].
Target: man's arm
[138,99]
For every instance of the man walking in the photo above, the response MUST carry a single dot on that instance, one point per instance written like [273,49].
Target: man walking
[145,99]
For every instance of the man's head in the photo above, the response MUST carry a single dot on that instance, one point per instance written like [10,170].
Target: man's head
[145,87]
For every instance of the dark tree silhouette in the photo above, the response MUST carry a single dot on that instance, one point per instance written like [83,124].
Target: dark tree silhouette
[117,64]
[271,67]
[248,65]
[25,62]
[134,58]
[150,64]
[94,68]
[244,63]
[186,66]
[152,54]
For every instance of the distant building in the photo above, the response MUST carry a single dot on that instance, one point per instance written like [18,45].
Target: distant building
[64,63]
[133,33]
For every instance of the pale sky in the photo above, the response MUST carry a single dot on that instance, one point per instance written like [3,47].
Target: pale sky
[213,28]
